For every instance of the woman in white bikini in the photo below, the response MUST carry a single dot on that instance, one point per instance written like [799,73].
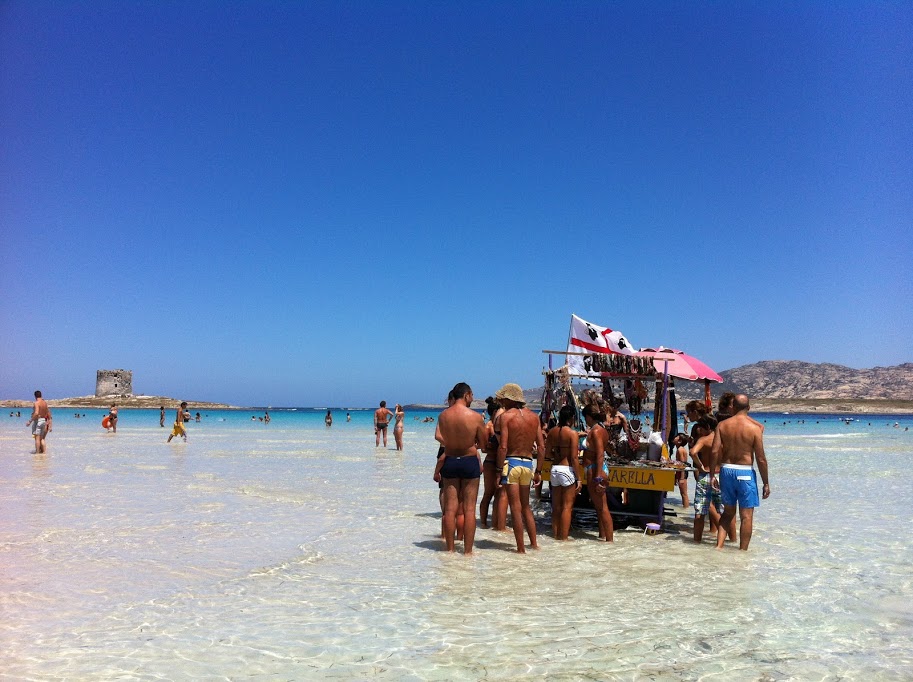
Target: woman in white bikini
[565,480]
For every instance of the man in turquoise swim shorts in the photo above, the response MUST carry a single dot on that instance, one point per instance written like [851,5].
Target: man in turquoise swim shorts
[738,444]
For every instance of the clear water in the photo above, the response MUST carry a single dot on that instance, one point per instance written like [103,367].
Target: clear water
[294,551]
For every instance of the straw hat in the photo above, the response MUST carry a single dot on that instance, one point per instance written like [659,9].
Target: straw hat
[511,392]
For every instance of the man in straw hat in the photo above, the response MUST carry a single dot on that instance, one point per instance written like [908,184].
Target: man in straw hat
[519,430]
[462,432]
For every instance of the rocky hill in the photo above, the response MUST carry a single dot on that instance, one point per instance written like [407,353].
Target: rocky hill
[792,379]
[778,385]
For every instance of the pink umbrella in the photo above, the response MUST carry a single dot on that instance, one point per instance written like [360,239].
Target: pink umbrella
[681,365]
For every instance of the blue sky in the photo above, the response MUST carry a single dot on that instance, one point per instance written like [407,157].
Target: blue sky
[337,203]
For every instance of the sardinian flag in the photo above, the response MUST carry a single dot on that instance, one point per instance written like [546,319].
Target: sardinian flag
[586,337]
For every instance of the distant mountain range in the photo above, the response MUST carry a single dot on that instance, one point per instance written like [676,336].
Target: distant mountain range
[796,380]
[792,379]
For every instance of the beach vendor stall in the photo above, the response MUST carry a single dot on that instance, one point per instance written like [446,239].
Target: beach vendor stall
[638,471]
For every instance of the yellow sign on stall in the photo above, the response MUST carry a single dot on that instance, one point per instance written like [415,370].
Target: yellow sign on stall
[644,478]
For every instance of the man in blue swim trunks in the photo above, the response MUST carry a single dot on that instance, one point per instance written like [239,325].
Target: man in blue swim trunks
[738,444]
[462,433]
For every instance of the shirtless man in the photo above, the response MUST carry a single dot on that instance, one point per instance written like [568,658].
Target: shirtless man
[462,433]
[381,420]
[180,417]
[738,443]
[40,422]
[519,431]
[440,483]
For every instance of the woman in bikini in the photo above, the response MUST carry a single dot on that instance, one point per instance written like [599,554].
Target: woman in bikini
[594,465]
[398,415]
[112,417]
[490,470]
[565,479]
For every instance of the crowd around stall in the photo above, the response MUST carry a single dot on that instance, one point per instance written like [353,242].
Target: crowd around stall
[593,455]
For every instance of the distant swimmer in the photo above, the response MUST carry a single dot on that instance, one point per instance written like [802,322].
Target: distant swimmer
[112,417]
[520,433]
[738,444]
[348,416]
[328,420]
[179,418]
[162,416]
[266,418]
[398,415]
[381,421]
[462,432]
[40,422]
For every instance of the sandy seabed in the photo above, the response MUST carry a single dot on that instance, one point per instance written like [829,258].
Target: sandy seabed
[295,551]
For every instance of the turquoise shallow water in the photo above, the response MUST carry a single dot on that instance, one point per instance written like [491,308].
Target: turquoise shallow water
[291,550]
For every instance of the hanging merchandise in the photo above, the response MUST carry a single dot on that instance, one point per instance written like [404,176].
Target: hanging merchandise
[548,400]
[619,364]
[629,390]
[635,395]
[657,404]
[673,413]
[635,434]
[608,396]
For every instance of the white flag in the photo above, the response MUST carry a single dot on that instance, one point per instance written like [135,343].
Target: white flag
[586,337]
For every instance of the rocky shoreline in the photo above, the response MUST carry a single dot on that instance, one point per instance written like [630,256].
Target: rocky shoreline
[146,402]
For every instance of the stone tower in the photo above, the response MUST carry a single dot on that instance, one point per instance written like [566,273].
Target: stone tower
[117,382]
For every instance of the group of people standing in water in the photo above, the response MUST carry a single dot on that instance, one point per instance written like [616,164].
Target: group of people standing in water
[515,442]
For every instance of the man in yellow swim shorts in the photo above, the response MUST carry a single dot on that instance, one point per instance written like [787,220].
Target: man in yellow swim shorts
[519,431]
[179,424]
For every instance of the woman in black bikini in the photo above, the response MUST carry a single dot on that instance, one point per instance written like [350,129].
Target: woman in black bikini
[565,478]
[593,461]
[490,471]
